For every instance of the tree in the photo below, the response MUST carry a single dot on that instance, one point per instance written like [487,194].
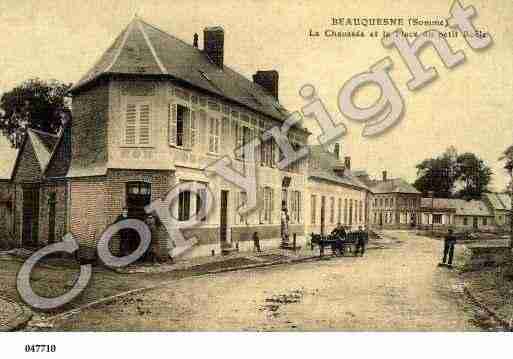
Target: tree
[438,174]
[473,174]
[34,103]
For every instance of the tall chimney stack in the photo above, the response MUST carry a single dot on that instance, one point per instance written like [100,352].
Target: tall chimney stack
[384,175]
[268,80]
[213,44]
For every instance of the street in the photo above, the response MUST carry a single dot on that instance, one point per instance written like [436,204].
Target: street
[398,288]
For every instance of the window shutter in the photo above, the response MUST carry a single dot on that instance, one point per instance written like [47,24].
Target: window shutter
[187,129]
[131,124]
[172,123]
[271,203]
[261,204]
[217,135]
[144,124]
[194,124]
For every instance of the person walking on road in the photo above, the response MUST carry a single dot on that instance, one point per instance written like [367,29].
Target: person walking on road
[449,242]
[256,242]
[361,241]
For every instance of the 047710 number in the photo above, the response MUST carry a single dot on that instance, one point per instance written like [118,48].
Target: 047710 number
[40,348]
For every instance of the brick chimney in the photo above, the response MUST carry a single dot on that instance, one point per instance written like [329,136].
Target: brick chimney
[213,44]
[347,162]
[384,175]
[268,80]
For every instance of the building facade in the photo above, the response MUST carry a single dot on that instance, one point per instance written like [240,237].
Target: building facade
[395,204]
[460,214]
[154,112]
[336,196]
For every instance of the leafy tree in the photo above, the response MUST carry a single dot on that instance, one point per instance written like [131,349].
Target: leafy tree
[443,174]
[34,103]
[473,174]
[438,174]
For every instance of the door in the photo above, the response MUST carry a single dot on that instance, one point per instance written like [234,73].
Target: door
[30,216]
[474,224]
[138,196]
[223,221]
[323,215]
[51,217]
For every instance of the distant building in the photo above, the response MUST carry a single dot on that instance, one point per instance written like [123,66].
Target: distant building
[395,203]
[500,205]
[456,213]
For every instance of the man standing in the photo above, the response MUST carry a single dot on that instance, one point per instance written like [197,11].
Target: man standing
[256,242]
[361,241]
[124,234]
[449,242]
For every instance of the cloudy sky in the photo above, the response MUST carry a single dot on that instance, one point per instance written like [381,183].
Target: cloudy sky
[469,107]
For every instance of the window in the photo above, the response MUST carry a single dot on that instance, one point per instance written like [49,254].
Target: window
[360,212]
[332,210]
[268,204]
[242,198]
[485,221]
[386,202]
[339,219]
[213,135]
[465,221]
[313,204]
[179,117]
[345,211]
[437,218]
[184,206]
[138,124]
[201,205]
[295,207]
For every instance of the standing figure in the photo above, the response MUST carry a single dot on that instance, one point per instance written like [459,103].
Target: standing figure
[151,254]
[124,234]
[449,242]
[256,242]
[361,241]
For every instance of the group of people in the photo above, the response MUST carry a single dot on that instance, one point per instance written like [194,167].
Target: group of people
[340,234]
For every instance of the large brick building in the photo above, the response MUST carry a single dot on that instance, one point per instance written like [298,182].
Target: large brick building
[395,203]
[151,113]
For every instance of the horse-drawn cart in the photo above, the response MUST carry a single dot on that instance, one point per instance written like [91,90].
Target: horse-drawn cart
[339,245]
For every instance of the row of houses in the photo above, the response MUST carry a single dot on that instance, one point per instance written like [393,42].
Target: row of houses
[152,113]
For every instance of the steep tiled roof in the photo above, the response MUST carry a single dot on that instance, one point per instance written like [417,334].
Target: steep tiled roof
[499,201]
[43,144]
[142,49]
[461,207]
[395,185]
[325,162]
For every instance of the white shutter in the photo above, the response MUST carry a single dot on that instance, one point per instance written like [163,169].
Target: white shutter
[194,124]
[217,135]
[172,123]
[271,204]
[144,124]
[187,128]
[211,135]
[131,124]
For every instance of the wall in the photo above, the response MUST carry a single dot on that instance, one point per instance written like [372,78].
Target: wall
[329,190]
[7,212]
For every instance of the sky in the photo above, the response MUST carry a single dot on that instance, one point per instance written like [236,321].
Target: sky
[469,107]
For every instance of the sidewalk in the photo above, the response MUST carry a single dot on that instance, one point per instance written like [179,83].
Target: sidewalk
[242,260]
[12,315]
